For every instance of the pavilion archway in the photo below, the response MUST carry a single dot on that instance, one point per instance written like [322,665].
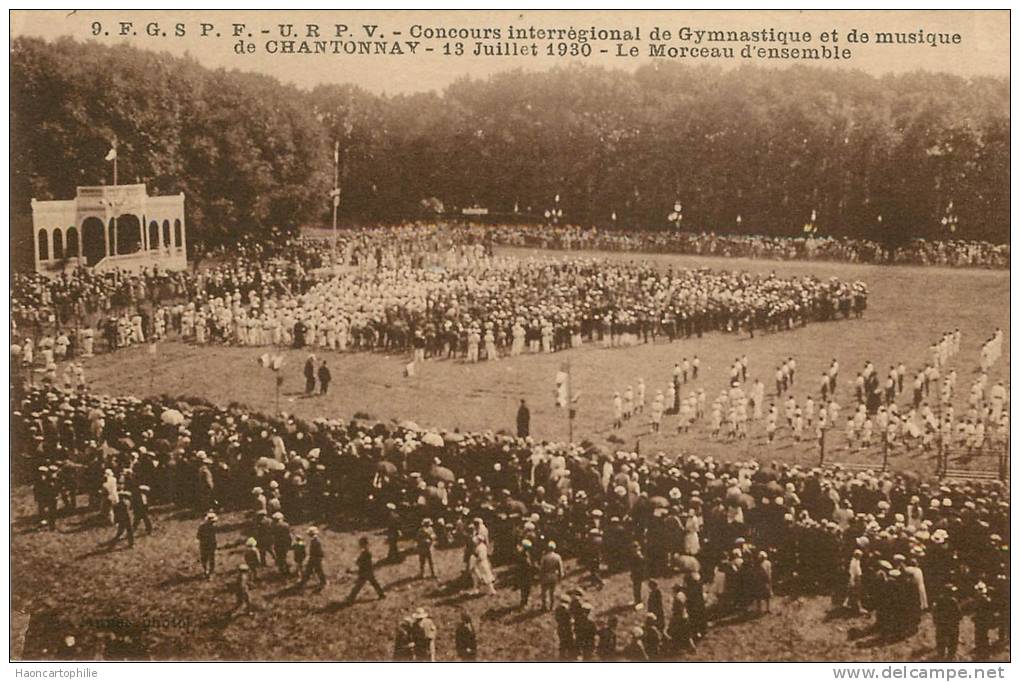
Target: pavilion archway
[129,234]
[71,242]
[153,235]
[93,237]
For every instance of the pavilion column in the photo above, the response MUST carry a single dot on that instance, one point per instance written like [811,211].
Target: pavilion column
[184,247]
[35,245]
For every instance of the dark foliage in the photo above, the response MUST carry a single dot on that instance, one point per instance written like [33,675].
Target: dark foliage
[253,154]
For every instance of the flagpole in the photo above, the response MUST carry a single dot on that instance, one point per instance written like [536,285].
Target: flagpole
[570,406]
[152,365]
[336,190]
[114,240]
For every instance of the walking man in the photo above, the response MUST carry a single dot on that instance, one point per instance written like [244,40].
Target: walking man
[315,558]
[366,573]
[550,573]
[207,545]
[123,517]
[324,378]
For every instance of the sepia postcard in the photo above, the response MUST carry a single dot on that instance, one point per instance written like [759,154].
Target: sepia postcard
[510,335]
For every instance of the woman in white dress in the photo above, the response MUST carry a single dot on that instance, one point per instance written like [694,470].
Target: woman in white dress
[27,353]
[481,567]
[691,529]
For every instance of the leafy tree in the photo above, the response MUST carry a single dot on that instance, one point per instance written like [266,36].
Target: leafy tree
[253,155]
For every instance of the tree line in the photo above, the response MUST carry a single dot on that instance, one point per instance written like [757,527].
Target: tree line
[768,145]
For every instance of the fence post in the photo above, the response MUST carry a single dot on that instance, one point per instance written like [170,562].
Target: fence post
[885,448]
[1004,462]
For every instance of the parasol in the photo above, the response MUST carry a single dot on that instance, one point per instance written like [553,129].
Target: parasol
[659,502]
[516,506]
[264,464]
[688,564]
[388,468]
[172,417]
[438,473]
[433,439]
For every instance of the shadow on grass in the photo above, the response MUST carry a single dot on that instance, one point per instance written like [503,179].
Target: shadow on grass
[525,616]
[399,560]
[618,609]
[235,527]
[336,606]
[743,616]
[105,548]
[221,621]
[497,613]
[289,591]
[184,515]
[842,613]
[181,579]
[871,637]
[404,581]
[458,599]
[450,588]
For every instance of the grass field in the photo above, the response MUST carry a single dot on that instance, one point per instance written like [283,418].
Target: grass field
[67,574]
[909,308]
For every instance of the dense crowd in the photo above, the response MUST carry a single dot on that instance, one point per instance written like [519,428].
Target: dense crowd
[259,272]
[84,297]
[83,302]
[501,306]
[479,307]
[951,253]
[727,533]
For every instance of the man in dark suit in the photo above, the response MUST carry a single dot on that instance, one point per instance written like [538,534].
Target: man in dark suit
[324,378]
[523,420]
[124,519]
[207,545]
[946,616]
[282,542]
[366,573]
[310,375]
[315,558]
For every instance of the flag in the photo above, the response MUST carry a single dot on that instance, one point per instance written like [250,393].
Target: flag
[336,152]
[112,154]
